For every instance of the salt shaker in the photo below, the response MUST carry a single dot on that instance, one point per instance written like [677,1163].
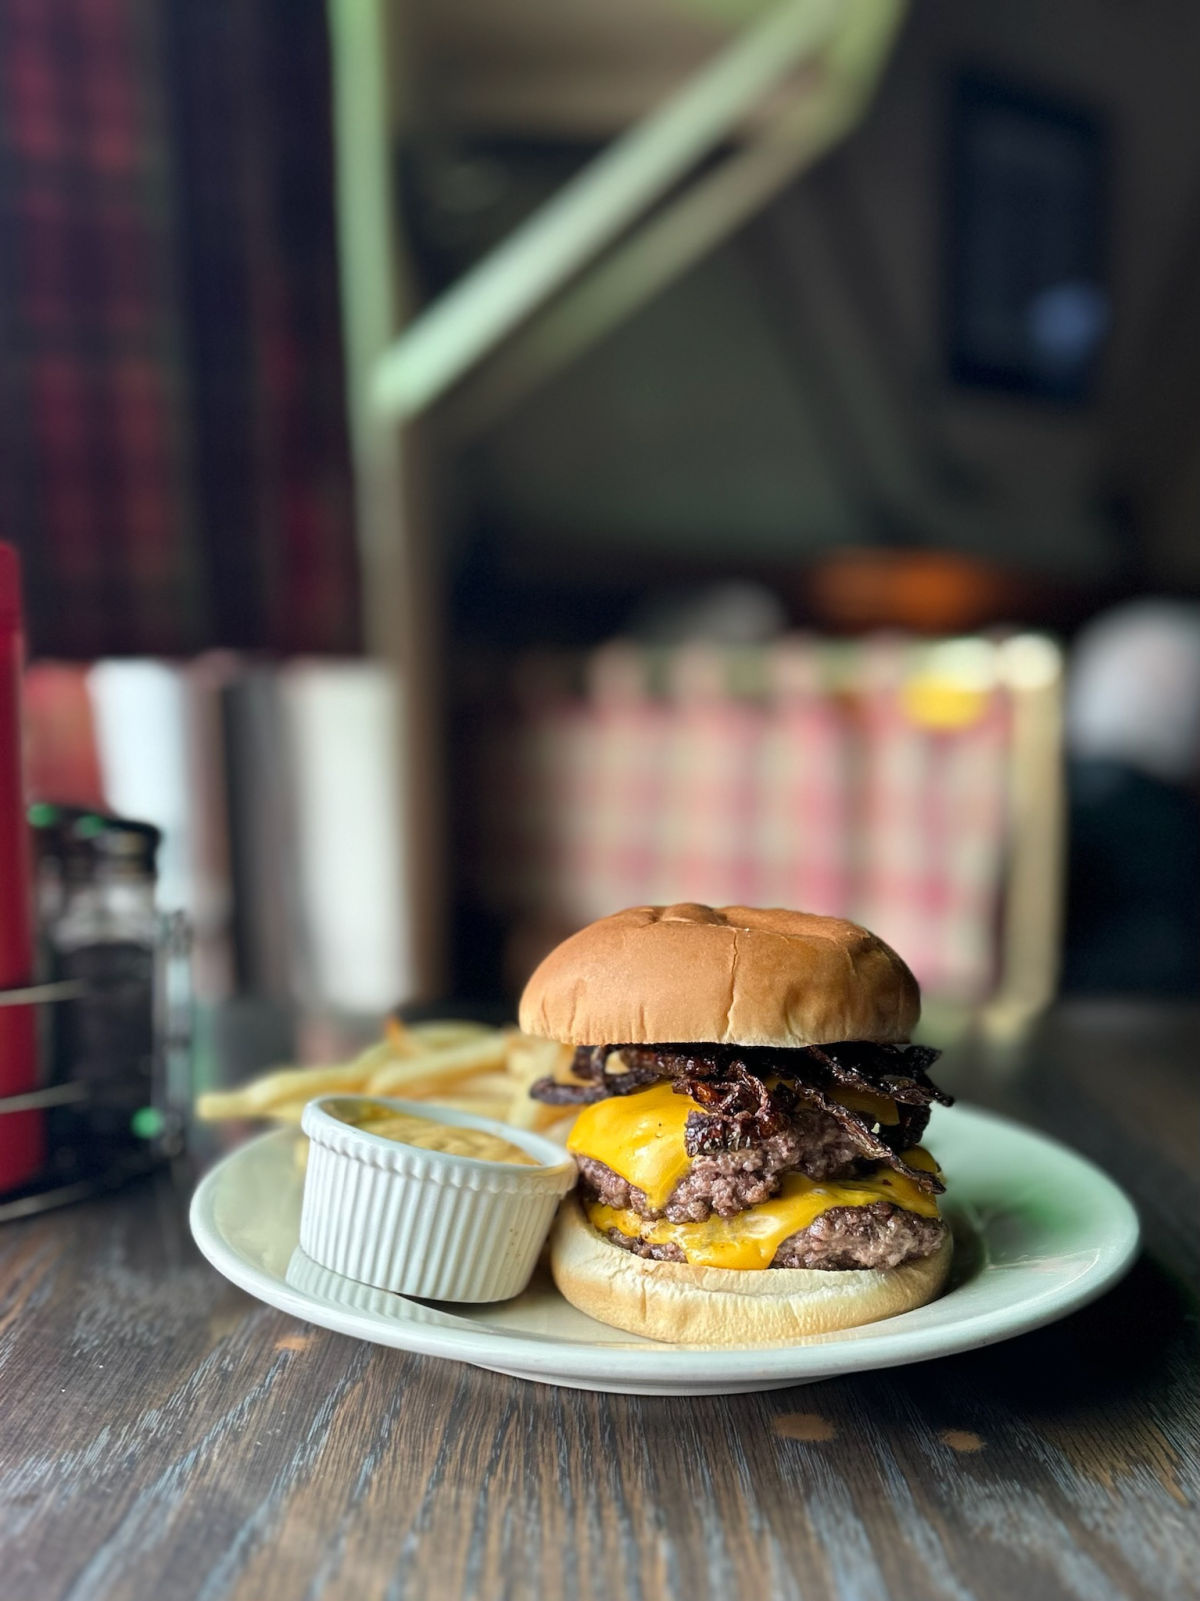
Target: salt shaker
[105,940]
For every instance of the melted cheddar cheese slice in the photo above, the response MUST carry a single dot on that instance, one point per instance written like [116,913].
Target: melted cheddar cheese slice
[751,1239]
[881,1108]
[641,1136]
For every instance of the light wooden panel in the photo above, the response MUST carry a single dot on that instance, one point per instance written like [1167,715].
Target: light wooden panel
[583,67]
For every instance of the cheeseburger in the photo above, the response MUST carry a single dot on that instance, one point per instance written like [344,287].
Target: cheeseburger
[751,1112]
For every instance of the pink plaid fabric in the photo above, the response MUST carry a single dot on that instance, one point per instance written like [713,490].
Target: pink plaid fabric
[709,762]
[612,847]
[932,832]
[802,820]
[792,795]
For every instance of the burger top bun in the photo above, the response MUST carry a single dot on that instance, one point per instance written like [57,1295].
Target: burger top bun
[727,975]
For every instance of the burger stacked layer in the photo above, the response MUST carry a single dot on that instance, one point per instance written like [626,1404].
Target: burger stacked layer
[787,1139]
[748,1158]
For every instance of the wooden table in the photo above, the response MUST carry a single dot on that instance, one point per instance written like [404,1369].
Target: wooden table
[165,1437]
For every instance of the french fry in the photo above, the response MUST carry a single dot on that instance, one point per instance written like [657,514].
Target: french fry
[485,1094]
[216,1108]
[262,1095]
[440,1035]
[221,1106]
[531,1058]
[411,1039]
[289,1111]
[463,1066]
[487,1086]
[436,1068]
[276,1089]
[548,1119]
[401,1038]
[289,1082]
[495,1083]
[560,1128]
[477,1105]
[524,1112]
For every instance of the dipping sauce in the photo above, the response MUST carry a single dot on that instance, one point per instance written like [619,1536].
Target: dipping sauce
[430,1135]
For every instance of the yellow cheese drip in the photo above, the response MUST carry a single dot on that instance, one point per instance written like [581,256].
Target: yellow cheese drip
[751,1239]
[917,1156]
[640,1137]
[880,1108]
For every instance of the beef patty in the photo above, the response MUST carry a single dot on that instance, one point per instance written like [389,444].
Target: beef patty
[729,1181]
[846,1237]
[760,1101]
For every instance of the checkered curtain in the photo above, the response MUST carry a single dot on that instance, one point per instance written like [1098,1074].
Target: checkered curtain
[172,455]
[805,793]
[707,844]
[662,783]
[932,830]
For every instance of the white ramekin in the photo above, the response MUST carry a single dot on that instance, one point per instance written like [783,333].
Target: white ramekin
[448,1228]
[322,1284]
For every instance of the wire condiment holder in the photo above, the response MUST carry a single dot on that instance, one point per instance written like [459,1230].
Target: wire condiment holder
[96,1137]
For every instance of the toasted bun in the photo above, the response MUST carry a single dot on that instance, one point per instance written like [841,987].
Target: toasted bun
[729,975]
[721,1306]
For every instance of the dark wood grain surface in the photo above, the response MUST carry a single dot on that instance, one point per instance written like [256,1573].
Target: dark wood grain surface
[166,1438]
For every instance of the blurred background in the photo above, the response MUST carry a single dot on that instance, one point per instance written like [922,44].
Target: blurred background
[478,467]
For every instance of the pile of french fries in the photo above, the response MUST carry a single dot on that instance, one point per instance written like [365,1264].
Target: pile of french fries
[465,1066]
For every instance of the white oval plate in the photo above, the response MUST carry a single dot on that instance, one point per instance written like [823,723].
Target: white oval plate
[1038,1233]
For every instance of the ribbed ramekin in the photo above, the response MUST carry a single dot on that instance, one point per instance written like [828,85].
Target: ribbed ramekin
[448,1228]
[322,1284]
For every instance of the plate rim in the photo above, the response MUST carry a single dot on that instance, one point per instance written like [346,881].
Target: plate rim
[675,1367]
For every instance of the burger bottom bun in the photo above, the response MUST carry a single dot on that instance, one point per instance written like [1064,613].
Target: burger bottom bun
[687,1305]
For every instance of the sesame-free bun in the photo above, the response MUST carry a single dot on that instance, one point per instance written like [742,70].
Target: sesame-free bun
[724,1306]
[726,975]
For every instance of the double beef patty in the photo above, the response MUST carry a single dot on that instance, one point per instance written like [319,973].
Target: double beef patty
[881,1235]
[729,1181]
[877,1236]
[747,1135]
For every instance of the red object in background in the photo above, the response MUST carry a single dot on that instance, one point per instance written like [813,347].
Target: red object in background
[62,764]
[22,1140]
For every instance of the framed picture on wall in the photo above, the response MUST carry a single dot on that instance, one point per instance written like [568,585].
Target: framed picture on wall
[1027,295]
